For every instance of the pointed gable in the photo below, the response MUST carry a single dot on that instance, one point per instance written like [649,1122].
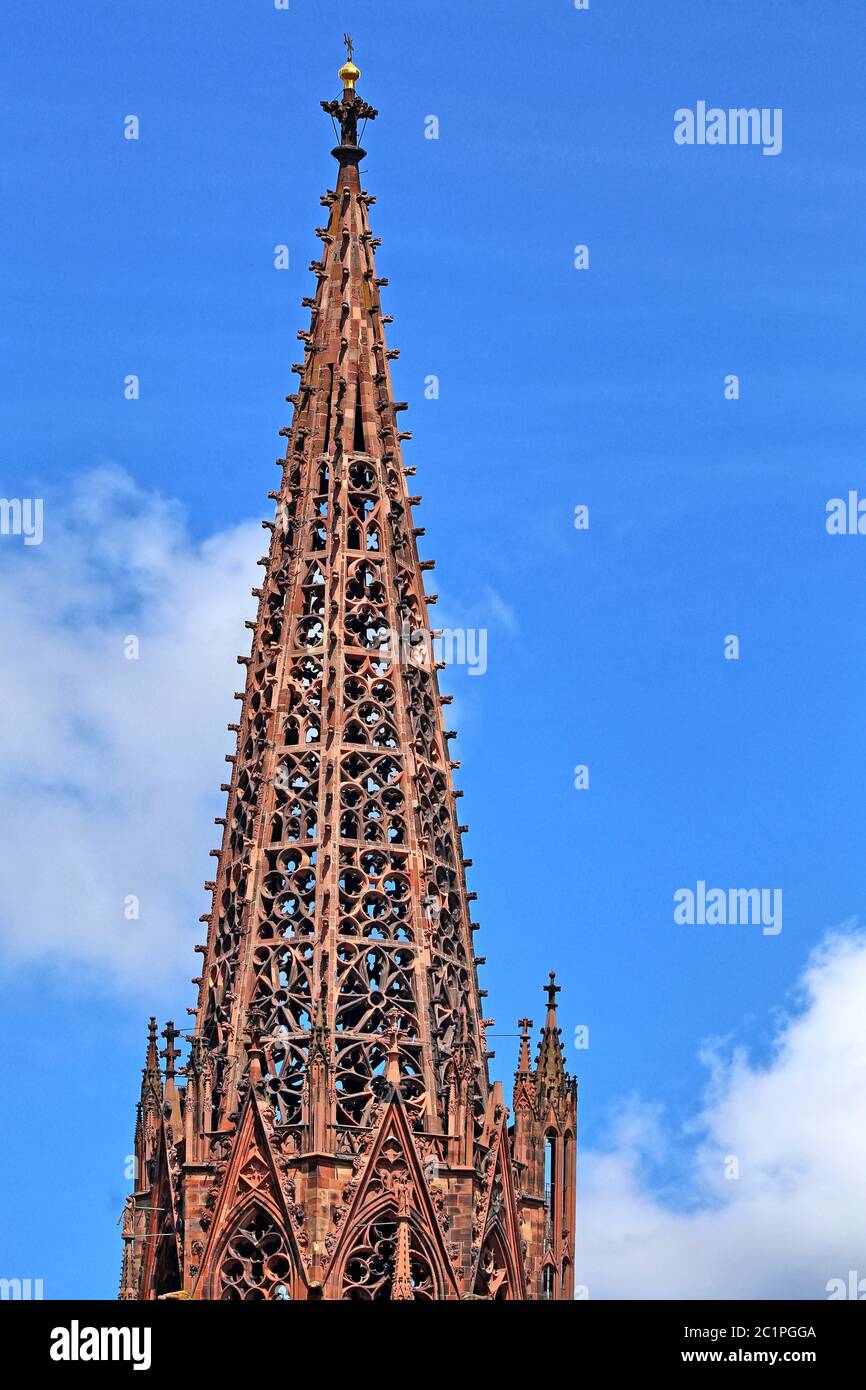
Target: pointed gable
[496,1223]
[390,1182]
[162,1256]
[250,1186]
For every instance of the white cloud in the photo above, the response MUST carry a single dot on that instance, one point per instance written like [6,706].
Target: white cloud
[503,612]
[112,767]
[796,1217]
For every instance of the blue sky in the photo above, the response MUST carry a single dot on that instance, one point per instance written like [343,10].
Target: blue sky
[558,387]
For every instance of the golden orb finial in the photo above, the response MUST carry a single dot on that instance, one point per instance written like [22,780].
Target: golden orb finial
[349,73]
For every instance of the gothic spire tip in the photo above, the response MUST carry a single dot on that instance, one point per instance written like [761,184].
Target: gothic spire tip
[152,1058]
[348,111]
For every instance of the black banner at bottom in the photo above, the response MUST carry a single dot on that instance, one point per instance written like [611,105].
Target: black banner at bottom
[175,1338]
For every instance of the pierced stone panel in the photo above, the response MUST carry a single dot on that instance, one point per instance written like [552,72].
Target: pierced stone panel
[368,1272]
[257,1265]
[375,894]
[284,1073]
[373,982]
[296,799]
[303,723]
[360,1075]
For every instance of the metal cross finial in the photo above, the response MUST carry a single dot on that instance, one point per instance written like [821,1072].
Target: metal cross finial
[350,48]
[552,991]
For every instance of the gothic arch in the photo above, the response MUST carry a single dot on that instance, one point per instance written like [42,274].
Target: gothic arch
[161,1254]
[366,1270]
[496,1279]
[255,1260]
[567,1168]
[166,1272]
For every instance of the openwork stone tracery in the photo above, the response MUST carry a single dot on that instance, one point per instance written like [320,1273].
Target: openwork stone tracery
[372,1263]
[256,1264]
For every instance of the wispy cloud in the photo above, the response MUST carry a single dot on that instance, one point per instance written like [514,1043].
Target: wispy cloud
[112,766]
[501,612]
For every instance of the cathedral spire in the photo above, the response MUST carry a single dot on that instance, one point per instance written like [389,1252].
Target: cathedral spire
[338,1113]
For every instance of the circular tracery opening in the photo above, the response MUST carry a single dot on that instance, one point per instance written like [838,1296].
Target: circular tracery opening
[369,1270]
[256,1265]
